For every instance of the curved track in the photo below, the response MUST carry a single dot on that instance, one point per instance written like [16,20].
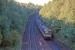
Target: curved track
[32,39]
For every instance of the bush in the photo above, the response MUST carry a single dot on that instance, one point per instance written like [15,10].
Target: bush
[1,37]
[64,32]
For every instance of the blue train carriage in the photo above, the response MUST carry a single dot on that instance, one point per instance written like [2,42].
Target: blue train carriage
[47,33]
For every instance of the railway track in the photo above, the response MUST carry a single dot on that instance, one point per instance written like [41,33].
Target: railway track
[32,39]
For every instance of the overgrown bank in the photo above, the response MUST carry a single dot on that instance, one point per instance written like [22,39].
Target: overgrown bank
[13,18]
[60,14]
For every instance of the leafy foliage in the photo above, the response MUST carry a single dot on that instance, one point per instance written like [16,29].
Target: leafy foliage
[61,16]
[13,18]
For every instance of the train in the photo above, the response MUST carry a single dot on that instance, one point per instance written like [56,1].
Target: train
[47,33]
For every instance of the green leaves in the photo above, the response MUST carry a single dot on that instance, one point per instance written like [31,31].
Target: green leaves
[1,37]
[2,19]
[60,14]
[13,20]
